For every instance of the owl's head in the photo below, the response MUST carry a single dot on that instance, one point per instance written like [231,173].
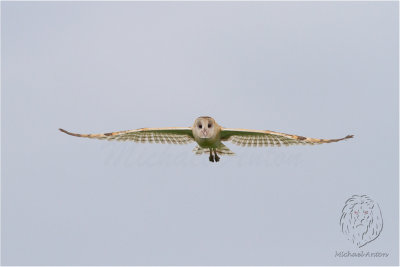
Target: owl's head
[205,127]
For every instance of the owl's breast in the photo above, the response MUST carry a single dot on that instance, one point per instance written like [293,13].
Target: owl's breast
[207,142]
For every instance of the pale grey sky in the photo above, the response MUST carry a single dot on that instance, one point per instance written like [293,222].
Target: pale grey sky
[318,69]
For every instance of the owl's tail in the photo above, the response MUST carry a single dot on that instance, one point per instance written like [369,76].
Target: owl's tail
[221,150]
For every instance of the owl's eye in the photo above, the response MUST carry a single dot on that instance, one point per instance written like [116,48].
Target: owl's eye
[209,125]
[200,126]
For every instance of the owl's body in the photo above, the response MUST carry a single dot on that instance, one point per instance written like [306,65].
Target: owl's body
[209,136]
[211,142]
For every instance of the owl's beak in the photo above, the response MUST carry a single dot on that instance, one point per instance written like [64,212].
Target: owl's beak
[204,132]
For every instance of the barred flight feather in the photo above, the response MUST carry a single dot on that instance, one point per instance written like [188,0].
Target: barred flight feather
[268,138]
[149,135]
[223,150]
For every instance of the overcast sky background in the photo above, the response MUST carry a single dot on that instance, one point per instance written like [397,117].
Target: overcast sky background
[318,69]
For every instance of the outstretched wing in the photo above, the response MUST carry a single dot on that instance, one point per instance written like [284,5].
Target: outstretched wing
[245,137]
[171,135]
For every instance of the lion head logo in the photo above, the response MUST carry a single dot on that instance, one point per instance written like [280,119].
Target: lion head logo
[361,220]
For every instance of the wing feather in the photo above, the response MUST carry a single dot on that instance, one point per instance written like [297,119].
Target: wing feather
[171,135]
[244,137]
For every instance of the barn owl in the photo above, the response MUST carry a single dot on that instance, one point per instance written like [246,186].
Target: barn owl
[208,135]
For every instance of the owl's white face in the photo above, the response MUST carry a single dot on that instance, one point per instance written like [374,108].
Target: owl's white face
[205,127]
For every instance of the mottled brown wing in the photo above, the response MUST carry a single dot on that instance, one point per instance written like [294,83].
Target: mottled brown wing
[245,137]
[172,135]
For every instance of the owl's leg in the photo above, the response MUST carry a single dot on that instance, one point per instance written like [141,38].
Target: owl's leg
[211,158]
[216,156]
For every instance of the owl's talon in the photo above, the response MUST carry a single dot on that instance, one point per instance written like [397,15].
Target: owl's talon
[211,158]
[216,158]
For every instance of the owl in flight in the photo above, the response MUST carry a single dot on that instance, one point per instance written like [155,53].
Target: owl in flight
[209,136]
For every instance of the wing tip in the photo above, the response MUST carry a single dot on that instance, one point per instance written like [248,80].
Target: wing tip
[62,130]
[69,133]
